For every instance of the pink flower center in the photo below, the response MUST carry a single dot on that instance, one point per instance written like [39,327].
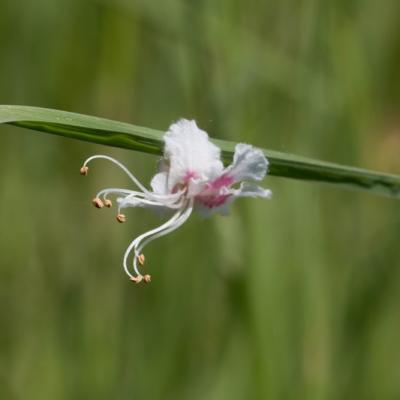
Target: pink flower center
[189,175]
[185,182]
[212,196]
[220,182]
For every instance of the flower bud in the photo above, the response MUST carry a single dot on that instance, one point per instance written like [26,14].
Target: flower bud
[108,203]
[84,170]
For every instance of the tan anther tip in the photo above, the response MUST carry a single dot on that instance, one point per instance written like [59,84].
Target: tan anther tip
[137,279]
[97,203]
[147,278]
[121,218]
[108,203]
[141,258]
[84,170]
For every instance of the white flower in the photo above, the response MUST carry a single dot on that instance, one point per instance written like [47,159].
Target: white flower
[191,176]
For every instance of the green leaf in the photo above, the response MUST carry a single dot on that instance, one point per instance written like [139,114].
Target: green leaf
[120,134]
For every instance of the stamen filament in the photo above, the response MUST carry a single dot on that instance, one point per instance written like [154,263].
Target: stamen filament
[133,243]
[106,192]
[128,201]
[182,219]
[144,239]
[146,192]
[120,165]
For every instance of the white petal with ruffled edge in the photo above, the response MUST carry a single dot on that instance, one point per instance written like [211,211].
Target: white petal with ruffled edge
[159,183]
[250,190]
[190,154]
[245,190]
[248,164]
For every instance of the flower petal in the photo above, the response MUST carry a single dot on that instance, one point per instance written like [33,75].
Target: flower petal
[207,212]
[251,190]
[190,153]
[220,203]
[159,183]
[248,164]
[195,187]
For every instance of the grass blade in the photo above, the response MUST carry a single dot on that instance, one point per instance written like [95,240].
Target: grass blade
[120,134]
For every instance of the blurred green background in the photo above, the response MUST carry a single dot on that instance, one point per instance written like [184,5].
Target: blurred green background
[294,298]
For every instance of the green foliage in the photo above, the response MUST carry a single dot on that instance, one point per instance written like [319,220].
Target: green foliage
[294,298]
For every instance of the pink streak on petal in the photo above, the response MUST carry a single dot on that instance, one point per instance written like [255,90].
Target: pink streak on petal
[185,181]
[220,182]
[189,175]
[213,201]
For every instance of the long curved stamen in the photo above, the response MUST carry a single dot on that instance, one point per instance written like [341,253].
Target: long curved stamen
[137,201]
[132,177]
[133,243]
[144,239]
[117,191]
[149,238]
[144,197]
[120,165]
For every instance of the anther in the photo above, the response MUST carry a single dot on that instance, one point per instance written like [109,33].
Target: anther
[108,203]
[97,203]
[141,258]
[84,170]
[147,278]
[137,279]
[121,218]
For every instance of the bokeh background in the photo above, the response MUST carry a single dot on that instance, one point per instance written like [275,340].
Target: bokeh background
[294,298]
